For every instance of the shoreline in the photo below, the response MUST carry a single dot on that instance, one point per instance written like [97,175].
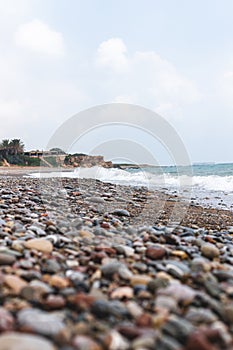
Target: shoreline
[197,214]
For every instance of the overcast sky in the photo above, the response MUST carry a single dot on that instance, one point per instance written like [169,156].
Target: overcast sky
[60,57]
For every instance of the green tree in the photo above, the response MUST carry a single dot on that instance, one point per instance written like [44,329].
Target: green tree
[5,145]
[16,146]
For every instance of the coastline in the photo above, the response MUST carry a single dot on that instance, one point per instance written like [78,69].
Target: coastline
[197,214]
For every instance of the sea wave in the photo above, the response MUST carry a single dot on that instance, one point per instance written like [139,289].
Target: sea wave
[148,179]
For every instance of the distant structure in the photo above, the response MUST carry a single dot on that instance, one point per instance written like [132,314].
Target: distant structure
[12,153]
[86,161]
[60,158]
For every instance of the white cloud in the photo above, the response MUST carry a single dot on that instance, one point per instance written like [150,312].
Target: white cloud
[148,79]
[112,54]
[39,37]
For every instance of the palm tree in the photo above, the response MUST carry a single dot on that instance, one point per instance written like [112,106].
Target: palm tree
[5,145]
[16,146]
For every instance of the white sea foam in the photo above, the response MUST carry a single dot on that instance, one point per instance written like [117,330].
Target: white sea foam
[145,178]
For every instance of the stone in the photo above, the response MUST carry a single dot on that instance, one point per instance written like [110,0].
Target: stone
[121,212]
[155,252]
[125,273]
[58,282]
[166,302]
[140,280]
[122,292]
[200,315]
[178,328]
[7,259]
[81,301]
[83,342]
[53,302]
[105,309]
[108,270]
[86,234]
[209,251]
[39,244]
[20,341]
[181,293]
[15,283]
[134,309]
[6,320]
[42,322]
[115,341]
[228,310]
[93,199]
[199,340]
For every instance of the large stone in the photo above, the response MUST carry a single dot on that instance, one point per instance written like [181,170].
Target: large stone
[18,341]
[155,252]
[15,283]
[39,244]
[7,259]
[209,250]
[42,322]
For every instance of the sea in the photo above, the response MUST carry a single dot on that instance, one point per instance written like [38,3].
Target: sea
[206,184]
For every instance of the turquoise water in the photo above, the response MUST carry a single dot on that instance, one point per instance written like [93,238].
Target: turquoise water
[205,169]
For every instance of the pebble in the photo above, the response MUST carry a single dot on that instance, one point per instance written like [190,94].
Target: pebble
[198,316]
[15,283]
[19,341]
[122,292]
[115,341]
[6,320]
[155,252]
[58,282]
[108,270]
[105,309]
[7,259]
[121,212]
[82,342]
[209,250]
[39,244]
[53,302]
[140,280]
[41,322]
[180,292]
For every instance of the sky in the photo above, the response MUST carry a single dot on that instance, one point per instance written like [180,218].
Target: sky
[58,58]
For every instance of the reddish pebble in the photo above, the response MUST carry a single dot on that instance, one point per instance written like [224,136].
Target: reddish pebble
[6,320]
[155,253]
[145,320]
[81,301]
[54,302]
[198,340]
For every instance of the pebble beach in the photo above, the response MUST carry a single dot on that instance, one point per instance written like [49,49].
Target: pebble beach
[87,265]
